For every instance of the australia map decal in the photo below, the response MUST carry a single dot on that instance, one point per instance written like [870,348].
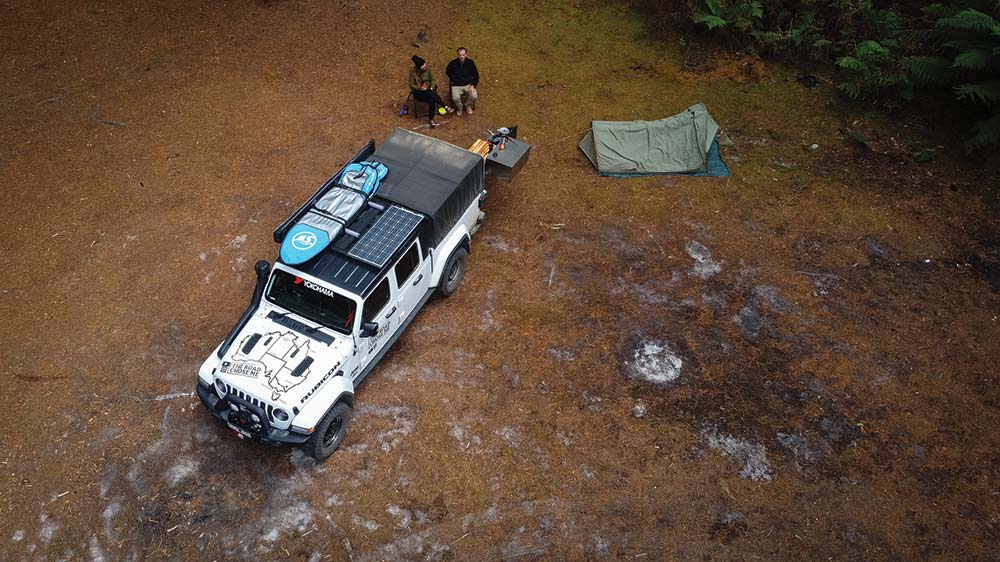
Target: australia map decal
[279,358]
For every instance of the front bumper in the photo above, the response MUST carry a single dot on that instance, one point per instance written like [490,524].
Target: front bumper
[220,409]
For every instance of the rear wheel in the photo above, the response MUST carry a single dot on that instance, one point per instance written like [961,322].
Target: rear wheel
[329,432]
[454,270]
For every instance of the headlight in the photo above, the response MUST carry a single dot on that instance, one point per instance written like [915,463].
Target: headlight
[280,415]
[220,387]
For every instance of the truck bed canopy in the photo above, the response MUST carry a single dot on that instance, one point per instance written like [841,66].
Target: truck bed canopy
[431,176]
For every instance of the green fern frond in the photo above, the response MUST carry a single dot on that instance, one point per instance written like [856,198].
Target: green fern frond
[971,20]
[973,60]
[937,11]
[986,133]
[851,63]
[850,88]
[928,70]
[871,50]
[711,22]
[755,10]
[983,92]
[890,19]
[960,44]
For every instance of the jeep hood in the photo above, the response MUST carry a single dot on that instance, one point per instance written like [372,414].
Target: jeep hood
[279,364]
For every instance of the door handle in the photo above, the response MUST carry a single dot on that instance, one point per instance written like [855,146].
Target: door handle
[418,279]
[391,312]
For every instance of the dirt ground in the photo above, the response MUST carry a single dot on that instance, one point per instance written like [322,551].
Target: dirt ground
[797,362]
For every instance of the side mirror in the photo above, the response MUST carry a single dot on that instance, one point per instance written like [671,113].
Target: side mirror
[369,329]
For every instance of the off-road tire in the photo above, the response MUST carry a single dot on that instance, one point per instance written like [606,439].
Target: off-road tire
[329,432]
[454,270]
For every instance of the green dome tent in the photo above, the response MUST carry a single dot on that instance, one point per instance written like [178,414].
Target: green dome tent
[681,144]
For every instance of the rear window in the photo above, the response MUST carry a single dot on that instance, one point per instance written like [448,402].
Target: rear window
[309,300]
[406,265]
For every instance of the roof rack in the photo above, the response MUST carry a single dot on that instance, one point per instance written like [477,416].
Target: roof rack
[282,230]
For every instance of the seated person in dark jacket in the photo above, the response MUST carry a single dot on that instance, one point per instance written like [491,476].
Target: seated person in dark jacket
[424,89]
[464,77]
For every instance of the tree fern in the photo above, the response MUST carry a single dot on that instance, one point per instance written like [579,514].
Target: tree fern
[985,133]
[971,20]
[740,15]
[963,37]
[929,69]
[851,63]
[711,21]
[983,92]
[937,11]
[872,51]
[960,44]
[973,59]
[881,49]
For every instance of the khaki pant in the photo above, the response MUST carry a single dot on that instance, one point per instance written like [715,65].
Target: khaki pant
[458,91]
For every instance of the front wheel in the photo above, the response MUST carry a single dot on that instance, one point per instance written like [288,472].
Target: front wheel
[329,432]
[454,270]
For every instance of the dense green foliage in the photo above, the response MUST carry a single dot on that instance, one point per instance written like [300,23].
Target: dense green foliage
[895,54]
[962,51]
[742,15]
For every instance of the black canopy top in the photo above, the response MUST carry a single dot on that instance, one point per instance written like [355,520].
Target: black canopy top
[427,175]
[430,176]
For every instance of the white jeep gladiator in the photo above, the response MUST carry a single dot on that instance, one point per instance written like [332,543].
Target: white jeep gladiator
[358,261]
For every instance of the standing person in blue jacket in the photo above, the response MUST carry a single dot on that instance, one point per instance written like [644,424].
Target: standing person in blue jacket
[464,77]
[424,88]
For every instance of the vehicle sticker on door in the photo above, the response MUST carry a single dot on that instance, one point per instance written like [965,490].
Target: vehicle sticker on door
[383,329]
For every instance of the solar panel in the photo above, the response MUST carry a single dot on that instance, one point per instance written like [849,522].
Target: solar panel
[383,238]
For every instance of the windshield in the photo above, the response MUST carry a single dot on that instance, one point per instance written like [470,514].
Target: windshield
[315,302]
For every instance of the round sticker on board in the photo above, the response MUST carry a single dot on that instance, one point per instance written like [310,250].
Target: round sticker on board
[303,243]
[304,240]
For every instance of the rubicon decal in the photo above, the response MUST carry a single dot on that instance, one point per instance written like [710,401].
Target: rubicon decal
[319,384]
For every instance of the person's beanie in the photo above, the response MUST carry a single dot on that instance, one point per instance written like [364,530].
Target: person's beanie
[417,61]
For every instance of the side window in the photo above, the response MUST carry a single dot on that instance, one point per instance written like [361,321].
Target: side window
[376,301]
[407,264]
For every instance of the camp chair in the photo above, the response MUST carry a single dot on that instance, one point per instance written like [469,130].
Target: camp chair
[417,108]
